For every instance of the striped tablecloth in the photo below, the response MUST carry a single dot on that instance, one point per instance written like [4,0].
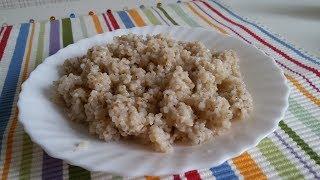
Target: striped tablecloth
[292,151]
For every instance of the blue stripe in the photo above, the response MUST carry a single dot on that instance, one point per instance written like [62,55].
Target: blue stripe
[223,172]
[12,78]
[126,19]
[316,61]
[221,23]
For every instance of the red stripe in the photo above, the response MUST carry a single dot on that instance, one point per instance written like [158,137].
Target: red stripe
[263,41]
[313,86]
[113,20]
[4,40]
[222,24]
[176,177]
[106,20]
[192,175]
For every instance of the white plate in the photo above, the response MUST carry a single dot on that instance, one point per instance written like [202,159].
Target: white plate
[46,123]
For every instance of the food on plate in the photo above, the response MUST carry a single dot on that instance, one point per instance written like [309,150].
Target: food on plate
[155,90]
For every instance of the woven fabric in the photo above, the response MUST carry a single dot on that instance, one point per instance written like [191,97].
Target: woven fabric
[5,4]
[291,152]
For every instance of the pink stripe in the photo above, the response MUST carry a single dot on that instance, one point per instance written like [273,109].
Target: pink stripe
[106,20]
[315,71]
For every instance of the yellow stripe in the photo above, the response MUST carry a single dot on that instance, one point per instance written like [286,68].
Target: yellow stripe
[97,24]
[303,90]
[244,163]
[205,19]
[248,168]
[152,178]
[13,126]
[136,17]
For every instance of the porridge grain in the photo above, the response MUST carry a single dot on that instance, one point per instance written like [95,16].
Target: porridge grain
[154,89]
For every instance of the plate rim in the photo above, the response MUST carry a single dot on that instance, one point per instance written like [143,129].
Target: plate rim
[126,31]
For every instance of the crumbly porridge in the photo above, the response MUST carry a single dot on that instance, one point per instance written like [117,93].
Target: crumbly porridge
[155,90]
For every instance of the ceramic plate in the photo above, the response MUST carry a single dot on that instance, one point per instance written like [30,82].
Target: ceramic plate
[47,125]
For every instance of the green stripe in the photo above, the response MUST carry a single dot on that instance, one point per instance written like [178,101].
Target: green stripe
[183,15]
[167,15]
[83,27]
[27,145]
[304,146]
[117,178]
[77,173]
[40,44]
[304,116]
[152,18]
[66,32]
[26,160]
[278,160]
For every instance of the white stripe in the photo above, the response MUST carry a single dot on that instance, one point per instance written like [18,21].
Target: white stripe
[46,40]
[268,38]
[303,101]
[16,152]
[34,48]
[76,29]
[17,141]
[202,22]
[234,168]
[90,26]
[275,55]
[278,57]
[109,21]
[60,34]
[206,174]
[103,23]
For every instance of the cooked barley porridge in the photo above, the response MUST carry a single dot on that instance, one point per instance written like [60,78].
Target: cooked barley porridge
[155,90]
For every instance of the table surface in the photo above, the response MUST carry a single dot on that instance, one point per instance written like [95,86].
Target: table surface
[296,21]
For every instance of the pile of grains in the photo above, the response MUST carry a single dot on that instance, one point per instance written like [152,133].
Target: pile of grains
[154,89]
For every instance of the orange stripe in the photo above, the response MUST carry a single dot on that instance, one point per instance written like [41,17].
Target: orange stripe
[205,19]
[152,178]
[136,17]
[303,90]
[13,126]
[97,24]
[248,167]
